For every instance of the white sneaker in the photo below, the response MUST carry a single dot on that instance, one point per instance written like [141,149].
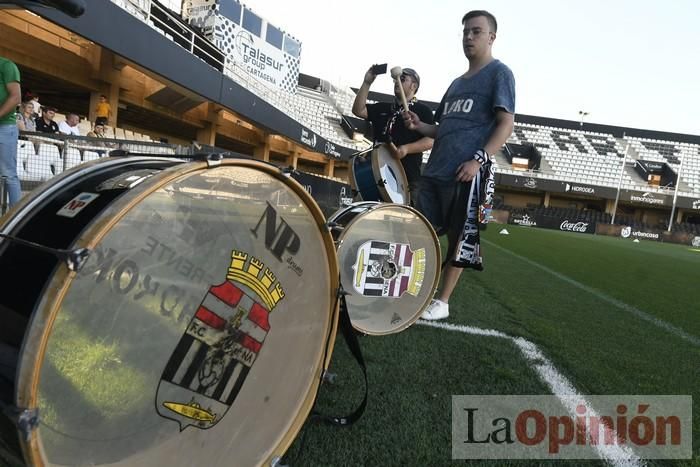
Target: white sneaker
[436,310]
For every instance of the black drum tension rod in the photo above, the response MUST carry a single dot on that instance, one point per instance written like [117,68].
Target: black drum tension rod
[75,259]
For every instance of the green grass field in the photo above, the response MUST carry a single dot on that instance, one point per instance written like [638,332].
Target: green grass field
[614,317]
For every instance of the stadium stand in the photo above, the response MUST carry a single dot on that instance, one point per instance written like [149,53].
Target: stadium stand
[568,153]
[572,155]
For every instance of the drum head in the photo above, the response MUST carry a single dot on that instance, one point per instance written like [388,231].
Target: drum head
[196,333]
[343,216]
[394,184]
[389,261]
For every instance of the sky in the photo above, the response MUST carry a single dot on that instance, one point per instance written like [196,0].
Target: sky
[632,63]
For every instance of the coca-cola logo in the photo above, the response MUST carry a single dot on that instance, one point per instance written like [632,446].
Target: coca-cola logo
[574,226]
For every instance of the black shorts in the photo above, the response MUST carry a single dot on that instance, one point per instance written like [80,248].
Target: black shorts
[444,204]
[101,121]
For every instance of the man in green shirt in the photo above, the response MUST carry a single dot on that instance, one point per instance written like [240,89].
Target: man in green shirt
[10,96]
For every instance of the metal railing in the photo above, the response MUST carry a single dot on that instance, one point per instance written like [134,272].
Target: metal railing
[41,156]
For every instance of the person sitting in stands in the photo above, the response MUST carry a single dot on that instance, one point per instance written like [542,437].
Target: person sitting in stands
[70,126]
[25,118]
[45,123]
[97,132]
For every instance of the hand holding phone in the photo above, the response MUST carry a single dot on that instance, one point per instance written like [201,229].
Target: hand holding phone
[379,69]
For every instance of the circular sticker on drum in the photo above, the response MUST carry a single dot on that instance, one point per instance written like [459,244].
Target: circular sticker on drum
[197,330]
[389,261]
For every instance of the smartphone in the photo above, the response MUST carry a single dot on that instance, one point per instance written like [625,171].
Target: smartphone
[379,69]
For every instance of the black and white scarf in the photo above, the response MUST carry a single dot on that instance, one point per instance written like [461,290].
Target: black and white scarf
[479,203]
[398,108]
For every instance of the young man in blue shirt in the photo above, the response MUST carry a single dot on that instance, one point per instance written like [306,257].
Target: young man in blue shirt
[474,120]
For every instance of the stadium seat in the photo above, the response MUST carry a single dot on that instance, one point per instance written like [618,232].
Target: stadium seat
[72,157]
[90,155]
[48,151]
[85,127]
[25,150]
[39,168]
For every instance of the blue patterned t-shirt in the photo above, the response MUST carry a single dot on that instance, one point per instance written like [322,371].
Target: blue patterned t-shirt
[467,117]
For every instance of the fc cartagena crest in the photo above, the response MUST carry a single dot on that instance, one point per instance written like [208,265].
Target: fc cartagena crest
[211,362]
[384,269]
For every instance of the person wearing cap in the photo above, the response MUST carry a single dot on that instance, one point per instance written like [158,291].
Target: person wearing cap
[45,123]
[406,145]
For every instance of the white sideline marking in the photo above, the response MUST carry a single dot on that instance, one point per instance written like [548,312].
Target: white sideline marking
[678,332]
[616,455]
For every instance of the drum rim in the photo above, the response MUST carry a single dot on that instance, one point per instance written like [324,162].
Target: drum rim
[345,209]
[436,281]
[398,166]
[29,202]
[32,355]
[353,180]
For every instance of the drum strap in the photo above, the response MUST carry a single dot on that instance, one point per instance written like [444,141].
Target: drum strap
[354,346]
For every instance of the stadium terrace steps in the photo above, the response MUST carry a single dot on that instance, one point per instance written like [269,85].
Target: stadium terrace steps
[315,111]
[595,158]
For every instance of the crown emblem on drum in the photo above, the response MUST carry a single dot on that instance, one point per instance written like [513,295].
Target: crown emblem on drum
[249,270]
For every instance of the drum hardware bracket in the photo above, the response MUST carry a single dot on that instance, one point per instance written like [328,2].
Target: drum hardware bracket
[381,182]
[277,462]
[329,377]
[214,160]
[289,170]
[334,226]
[26,420]
[75,259]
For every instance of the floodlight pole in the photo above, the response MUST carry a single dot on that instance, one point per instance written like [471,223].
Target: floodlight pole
[582,114]
[675,194]
[619,183]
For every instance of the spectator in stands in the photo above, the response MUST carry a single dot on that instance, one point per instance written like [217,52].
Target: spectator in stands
[103,111]
[36,106]
[70,125]
[406,145]
[45,123]
[97,132]
[10,96]
[25,118]
[475,118]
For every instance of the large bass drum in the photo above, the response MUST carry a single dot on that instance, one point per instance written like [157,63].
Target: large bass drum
[197,331]
[389,259]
